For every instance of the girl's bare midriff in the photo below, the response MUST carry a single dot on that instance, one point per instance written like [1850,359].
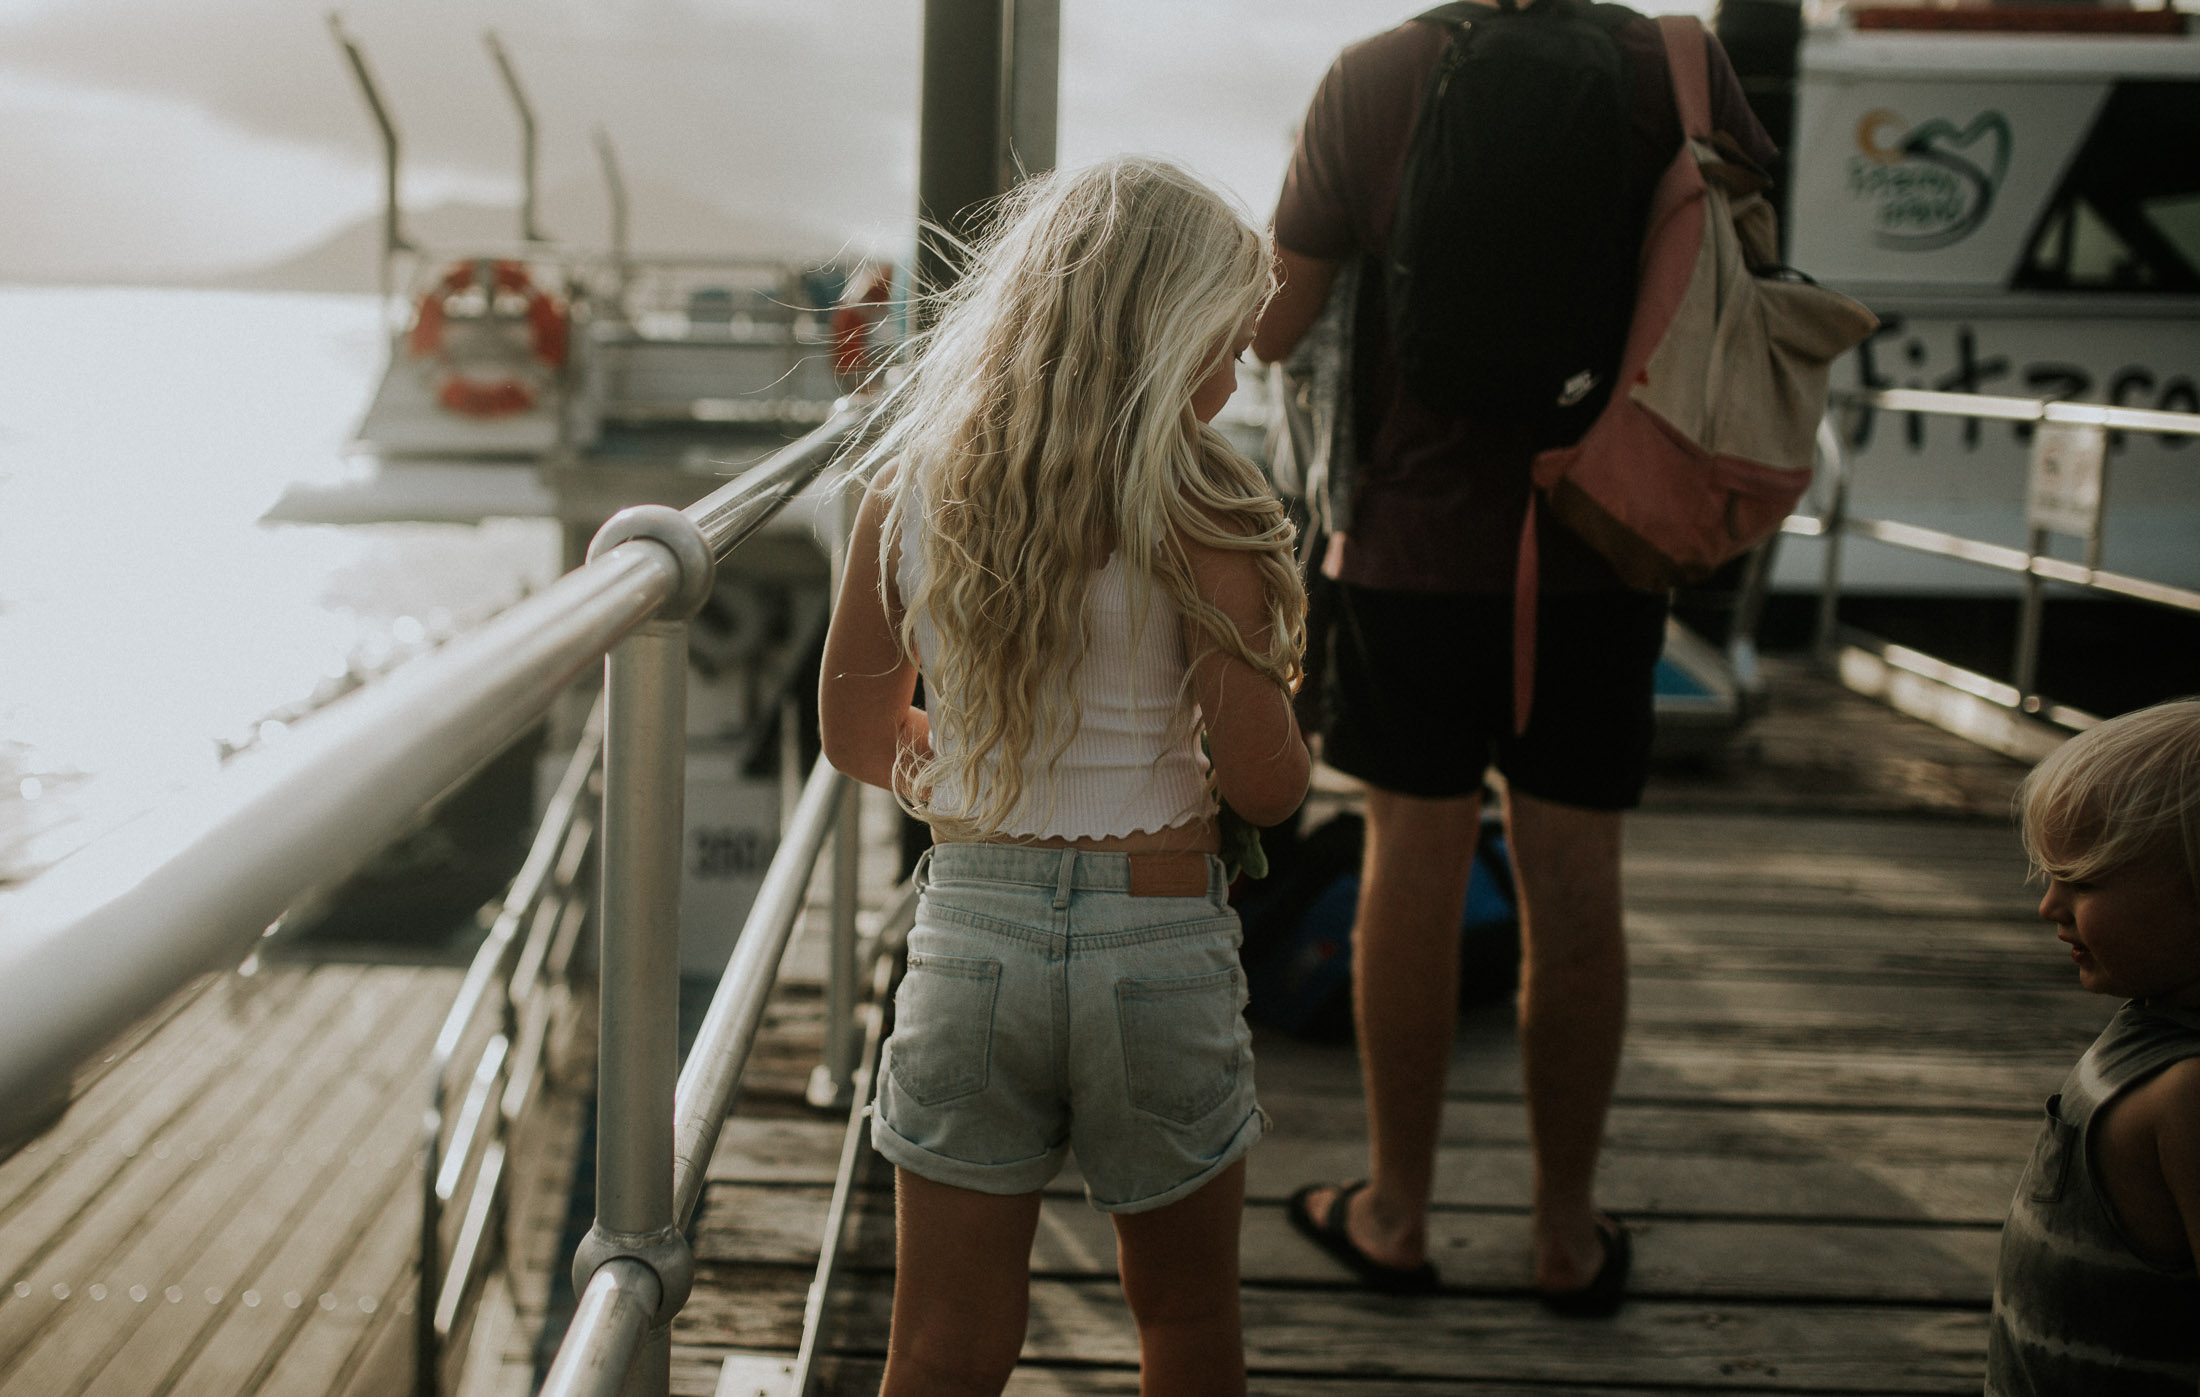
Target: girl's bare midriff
[1193,837]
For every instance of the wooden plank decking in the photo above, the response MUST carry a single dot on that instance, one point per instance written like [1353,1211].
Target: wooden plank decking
[1844,1021]
[232,1205]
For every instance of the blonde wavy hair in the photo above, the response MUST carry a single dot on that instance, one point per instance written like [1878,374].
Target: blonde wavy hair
[2123,793]
[1045,424]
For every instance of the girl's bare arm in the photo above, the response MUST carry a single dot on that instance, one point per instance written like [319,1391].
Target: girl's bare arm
[863,710]
[1260,759]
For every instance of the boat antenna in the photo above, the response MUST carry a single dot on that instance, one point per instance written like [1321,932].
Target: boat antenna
[615,184]
[394,240]
[527,227]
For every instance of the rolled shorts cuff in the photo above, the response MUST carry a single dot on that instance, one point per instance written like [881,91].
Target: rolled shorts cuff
[1016,1176]
[1248,1134]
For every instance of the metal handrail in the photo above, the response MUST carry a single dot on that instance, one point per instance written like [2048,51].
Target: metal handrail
[2032,563]
[103,937]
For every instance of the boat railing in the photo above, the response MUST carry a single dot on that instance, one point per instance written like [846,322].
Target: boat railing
[495,1046]
[2068,494]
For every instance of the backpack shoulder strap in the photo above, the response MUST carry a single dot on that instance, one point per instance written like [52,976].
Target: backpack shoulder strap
[1684,59]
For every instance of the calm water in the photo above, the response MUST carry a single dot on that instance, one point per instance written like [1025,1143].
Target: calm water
[148,622]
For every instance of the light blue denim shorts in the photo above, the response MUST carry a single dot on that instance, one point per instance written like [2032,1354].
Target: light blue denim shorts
[1047,1010]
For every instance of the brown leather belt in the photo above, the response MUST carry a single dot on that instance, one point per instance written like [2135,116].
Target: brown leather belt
[1168,875]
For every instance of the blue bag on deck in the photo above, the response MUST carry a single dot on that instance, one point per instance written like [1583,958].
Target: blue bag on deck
[1298,928]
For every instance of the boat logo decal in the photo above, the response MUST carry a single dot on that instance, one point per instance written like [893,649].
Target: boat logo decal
[1931,184]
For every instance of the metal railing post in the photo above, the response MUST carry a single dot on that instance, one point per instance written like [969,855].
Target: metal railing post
[644,813]
[2024,666]
[833,1079]
[645,696]
[1827,641]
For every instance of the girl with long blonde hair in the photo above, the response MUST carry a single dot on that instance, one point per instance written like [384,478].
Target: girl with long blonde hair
[1100,595]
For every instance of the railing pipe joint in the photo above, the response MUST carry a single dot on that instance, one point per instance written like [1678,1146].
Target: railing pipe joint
[680,536]
[665,1252]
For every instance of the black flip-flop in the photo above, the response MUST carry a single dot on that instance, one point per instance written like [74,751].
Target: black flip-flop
[1604,1293]
[1332,1236]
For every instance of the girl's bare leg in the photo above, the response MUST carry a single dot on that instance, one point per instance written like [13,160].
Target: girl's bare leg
[962,1288]
[1180,1274]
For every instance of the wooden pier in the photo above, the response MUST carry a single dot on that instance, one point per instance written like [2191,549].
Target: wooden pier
[1845,1020]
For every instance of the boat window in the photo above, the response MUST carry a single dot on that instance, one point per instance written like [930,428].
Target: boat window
[2178,216]
[2127,217]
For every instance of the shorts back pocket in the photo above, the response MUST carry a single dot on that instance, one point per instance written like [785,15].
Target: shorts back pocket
[942,1047]
[1180,1042]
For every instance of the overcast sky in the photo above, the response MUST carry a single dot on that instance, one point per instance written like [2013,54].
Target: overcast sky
[155,137]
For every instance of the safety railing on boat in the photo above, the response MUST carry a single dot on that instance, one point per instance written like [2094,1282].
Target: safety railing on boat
[2069,495]
[107,935]
[498,1036]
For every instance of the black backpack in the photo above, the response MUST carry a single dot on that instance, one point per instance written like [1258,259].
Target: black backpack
[1511,272]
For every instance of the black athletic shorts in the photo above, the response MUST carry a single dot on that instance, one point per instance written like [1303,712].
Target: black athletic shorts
[1417,694]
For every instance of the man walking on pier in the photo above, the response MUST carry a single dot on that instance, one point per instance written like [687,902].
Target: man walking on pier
[1418,694]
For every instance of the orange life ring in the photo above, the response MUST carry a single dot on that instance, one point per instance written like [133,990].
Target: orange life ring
[547,333]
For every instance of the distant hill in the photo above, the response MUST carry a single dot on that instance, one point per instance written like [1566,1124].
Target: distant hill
[662,220]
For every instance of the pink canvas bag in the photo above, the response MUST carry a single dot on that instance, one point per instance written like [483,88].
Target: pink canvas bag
[1705,445]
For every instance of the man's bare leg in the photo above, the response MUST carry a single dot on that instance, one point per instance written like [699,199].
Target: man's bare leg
[1405,954]
[1573,1014]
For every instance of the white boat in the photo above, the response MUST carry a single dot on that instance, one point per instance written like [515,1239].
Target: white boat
[2014,191]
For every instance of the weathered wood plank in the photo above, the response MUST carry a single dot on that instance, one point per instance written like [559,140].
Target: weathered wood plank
[1674,1068]
[787,1150]
[1741,836]
[2051,1024]
[855,1376]
[1688,1345]
[1484,1250]
[1716,943]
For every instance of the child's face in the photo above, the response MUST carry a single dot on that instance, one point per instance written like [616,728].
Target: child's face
[2133,932]
[1211,392]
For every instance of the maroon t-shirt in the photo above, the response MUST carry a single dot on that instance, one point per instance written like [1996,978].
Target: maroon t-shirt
[1438,499]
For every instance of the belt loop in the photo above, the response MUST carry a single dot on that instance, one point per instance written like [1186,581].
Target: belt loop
[921,875]
[1061,885]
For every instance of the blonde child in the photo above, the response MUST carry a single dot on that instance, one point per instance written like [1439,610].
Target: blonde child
[2096,1292]
[1090,580]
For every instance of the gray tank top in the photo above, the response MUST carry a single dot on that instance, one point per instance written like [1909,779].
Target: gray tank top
[2076,1309]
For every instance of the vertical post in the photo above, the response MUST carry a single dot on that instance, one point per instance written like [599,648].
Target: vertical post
[645,741]
[644,814]
[833,1079]
[967,95]
[1827,642]
[394,240]
[2024,667]
[607,157]
[528,232]
[1031,61]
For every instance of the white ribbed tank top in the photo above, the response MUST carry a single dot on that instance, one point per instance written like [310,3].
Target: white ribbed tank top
[1120,773]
